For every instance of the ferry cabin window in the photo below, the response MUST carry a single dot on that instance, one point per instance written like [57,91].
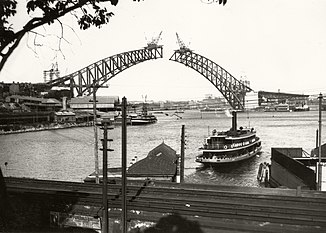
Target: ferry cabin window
[237,141]
[217,139]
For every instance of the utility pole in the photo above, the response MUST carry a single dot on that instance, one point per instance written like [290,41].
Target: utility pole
[95,87]
[319,144]
[317,138]
[182,161]
[97,180]
[106,125]
[124,165]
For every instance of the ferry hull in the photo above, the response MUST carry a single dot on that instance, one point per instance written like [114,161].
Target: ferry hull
[142,122]
[217,161]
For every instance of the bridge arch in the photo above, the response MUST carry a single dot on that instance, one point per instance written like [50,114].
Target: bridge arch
[233,90]
[100,72]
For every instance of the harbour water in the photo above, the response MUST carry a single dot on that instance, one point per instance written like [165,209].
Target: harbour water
[67,154]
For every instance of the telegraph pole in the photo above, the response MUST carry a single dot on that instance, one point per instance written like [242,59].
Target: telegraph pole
[320,97]
[124,165]
[182,161]
[95,86]
[105,180]
[106,125]
[97,180]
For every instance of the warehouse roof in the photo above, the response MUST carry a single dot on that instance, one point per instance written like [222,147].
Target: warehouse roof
[161,161]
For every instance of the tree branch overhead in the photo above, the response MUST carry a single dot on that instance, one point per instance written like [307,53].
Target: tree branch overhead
[51,11]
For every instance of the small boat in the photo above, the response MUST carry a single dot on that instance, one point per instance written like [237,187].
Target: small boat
[142,118]
[179,111]
[230,146]
[301,108]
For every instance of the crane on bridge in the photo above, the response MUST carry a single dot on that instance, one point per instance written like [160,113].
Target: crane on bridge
[182,46]
[154,42]
[52,73]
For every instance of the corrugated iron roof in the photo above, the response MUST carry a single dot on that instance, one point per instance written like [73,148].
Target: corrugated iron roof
[159,161]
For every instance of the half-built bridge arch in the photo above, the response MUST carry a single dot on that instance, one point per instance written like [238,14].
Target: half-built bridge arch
[97,74]
[233,90]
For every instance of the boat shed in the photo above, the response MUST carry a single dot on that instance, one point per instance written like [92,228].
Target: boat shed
[65,116]
[160,164]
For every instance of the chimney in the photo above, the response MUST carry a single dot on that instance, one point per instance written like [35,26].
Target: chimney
[234,121]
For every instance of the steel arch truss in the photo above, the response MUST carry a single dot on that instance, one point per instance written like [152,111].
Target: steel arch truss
[233,90]
[102,71]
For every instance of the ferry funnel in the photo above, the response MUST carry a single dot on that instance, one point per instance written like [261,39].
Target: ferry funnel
[234,121]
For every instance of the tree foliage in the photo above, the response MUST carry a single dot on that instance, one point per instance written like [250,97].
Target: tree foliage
[93,13]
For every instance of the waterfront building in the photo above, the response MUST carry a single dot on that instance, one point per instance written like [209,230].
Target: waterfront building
[103,103]
[294,167]
[273,101]
[212,103]
[65,116]
[19,120]
[251,100]
[34,104]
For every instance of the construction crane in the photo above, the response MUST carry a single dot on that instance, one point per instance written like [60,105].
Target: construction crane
[181,44]
[154,42]
[51,74]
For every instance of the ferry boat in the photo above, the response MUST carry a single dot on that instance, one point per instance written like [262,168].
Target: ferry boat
[227,147]
[142,118]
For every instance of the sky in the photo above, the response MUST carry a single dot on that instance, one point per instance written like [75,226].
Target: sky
[277,45]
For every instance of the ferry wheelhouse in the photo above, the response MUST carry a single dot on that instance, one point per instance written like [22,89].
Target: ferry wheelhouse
[230,146]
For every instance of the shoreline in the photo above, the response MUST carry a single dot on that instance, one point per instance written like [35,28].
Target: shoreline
[43,128]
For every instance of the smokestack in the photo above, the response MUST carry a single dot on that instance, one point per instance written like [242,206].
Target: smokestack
[234,121]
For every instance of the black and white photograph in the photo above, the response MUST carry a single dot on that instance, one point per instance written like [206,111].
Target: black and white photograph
[162,116]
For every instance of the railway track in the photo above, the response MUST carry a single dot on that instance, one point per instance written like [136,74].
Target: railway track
[212,206]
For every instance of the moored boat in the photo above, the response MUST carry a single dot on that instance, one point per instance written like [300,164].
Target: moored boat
[142,118]
[230,146]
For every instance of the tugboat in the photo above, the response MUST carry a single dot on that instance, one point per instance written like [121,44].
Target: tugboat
[227,147]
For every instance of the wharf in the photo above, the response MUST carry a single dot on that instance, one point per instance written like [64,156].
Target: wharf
[207,208]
